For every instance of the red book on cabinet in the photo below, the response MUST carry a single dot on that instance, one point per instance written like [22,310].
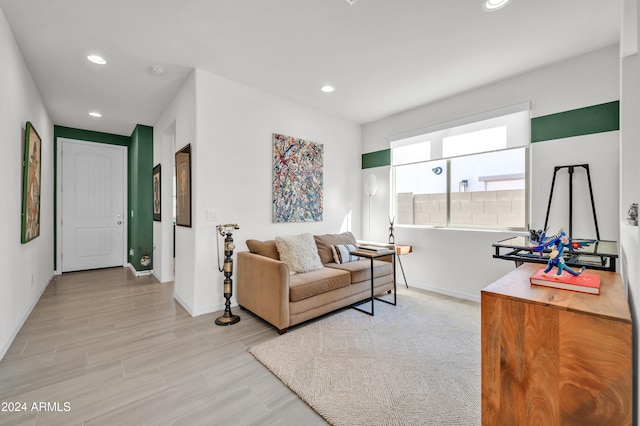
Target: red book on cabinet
[584,283]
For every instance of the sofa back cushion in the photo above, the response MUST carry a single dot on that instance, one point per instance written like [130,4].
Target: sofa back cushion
[264,248]
[324,243]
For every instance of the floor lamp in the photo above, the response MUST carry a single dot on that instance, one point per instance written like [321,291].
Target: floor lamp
[370,188]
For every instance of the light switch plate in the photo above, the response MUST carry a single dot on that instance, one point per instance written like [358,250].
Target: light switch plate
[212,214]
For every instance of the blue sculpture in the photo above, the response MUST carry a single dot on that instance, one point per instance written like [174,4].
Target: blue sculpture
[559,242]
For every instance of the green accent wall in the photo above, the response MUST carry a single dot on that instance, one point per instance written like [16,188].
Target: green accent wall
[139,178]
[376,159]
[141,196]
[583,121]
[89,136]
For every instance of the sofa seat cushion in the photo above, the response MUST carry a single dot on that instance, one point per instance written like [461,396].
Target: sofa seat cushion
[360,270]
[309,284]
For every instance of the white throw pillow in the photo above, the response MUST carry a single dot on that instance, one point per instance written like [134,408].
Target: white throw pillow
[341,253]
[299,252]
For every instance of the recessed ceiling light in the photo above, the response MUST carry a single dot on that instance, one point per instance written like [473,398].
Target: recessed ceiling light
[97,59]
[95,114]
[491,5]
[327,89]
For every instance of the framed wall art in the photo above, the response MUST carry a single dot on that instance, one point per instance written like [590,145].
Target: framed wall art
[183,187]
[31,184]
[156,193]
[297,180]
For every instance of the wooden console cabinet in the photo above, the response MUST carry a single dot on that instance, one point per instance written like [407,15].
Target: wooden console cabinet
[555,357]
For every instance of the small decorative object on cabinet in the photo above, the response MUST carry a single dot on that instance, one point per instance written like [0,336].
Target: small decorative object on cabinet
[558,242]
[227,231]
[555,357]
[633,214]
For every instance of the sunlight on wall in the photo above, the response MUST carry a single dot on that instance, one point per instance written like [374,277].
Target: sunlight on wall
[346,223]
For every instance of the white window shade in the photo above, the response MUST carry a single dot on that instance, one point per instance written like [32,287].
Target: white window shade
[516,119]
[411,153]
[484,140]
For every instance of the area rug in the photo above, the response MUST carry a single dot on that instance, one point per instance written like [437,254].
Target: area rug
[417,363]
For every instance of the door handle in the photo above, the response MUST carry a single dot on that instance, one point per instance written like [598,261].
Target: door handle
[119,222]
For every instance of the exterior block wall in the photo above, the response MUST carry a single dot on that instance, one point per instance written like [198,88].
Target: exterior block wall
[499,209]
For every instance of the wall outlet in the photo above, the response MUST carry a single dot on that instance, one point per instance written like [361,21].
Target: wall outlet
[130,252]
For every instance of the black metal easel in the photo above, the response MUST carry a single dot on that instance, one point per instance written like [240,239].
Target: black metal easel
[593,206]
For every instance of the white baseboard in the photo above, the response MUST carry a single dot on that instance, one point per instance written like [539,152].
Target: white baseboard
[160,279]
[201,311]
[140,273]
[445,291]
[184,304]
[210,309]
[7,345]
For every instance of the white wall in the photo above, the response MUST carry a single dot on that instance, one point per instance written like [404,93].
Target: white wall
[232,172]
[602,152]
[630,172]
[460,262]
[175,129]
[163,154]
[26,268]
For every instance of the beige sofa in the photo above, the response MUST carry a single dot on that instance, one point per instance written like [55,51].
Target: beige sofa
[266,287]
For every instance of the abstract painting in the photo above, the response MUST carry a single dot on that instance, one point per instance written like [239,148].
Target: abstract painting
[297,180]
[31,185]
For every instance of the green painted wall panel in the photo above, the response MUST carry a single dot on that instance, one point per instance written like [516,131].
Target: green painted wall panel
[583,121]
[141,196]
[376,159]
[90,136]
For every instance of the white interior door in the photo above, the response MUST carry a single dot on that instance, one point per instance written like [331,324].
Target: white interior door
[93,205]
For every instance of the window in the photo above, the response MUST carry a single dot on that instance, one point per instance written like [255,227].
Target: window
[470,173]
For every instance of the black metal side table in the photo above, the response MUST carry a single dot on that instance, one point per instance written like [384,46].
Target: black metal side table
[371,255]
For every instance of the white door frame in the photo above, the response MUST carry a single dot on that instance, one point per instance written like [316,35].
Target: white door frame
[125,192]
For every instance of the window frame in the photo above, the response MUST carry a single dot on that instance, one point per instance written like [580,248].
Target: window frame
[436,144]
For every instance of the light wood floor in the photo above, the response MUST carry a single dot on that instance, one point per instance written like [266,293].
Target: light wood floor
[105,347]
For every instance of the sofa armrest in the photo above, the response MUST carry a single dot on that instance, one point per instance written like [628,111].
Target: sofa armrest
[263,288]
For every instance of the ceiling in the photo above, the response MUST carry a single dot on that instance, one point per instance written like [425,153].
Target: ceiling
[382,56]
